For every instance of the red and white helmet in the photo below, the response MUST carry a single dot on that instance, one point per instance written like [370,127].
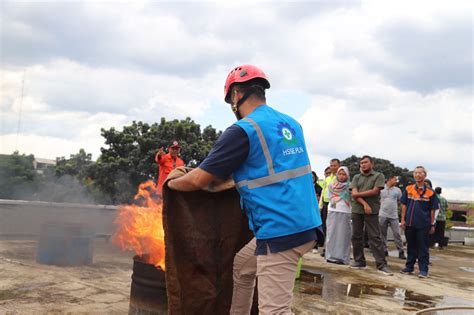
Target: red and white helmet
[242,74]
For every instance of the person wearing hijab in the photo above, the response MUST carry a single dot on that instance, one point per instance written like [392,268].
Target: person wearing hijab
[338,238]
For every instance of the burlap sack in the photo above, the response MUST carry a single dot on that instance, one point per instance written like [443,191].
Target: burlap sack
[203,232]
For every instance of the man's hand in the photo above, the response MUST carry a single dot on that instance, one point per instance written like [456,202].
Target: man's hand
[161,151]
[432,230]
[367,209]
[194,180]
[402,225]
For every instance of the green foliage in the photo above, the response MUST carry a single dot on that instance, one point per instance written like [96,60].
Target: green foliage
[469,222]
[130,157]
[17,174]
[449,215]
[469,218]
[127,161]
[380,165]
[77,165]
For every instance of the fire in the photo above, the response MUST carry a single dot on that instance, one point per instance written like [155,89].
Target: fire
[140,226]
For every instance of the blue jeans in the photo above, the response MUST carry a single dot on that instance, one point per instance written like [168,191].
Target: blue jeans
[418,241]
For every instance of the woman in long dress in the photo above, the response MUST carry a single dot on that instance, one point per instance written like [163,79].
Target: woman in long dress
[338,238]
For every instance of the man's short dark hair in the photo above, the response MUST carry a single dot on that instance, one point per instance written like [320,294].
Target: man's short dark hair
[390,176]
[327,169]
[336,160]
[438,190]
[256,86]
[367,157]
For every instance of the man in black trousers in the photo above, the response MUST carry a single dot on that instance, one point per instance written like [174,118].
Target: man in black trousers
[366,188]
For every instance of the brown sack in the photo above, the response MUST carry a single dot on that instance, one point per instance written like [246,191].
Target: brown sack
[203,232]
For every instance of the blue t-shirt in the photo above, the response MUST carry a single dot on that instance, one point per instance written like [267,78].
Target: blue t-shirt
[227,154]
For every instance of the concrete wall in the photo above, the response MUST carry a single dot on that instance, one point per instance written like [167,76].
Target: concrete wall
[24,218]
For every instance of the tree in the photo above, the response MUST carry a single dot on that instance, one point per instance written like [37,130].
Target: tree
[77,165]
[17,175]
[380,165]
[129,158]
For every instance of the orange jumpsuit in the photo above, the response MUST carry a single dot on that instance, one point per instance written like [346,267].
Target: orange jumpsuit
[166,164]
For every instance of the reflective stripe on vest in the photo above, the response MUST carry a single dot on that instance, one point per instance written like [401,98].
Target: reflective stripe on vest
[273,177]
[263,143]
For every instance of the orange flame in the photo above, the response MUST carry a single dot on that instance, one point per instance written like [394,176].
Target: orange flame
[140,227]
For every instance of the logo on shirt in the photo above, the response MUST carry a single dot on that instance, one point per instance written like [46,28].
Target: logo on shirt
[289,138]
[287,133]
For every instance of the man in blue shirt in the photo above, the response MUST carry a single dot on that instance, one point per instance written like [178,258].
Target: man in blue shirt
[419,203]
[265,153]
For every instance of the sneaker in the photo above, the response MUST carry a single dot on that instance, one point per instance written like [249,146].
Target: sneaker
[406,271]
[323,253]
[315,251]
[401,255]
[386,271]
[358,265]
[423,274]
[337,262]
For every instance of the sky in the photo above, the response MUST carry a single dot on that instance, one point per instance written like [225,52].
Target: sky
[391,79]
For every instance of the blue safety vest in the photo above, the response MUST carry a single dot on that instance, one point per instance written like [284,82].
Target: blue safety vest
[275,182]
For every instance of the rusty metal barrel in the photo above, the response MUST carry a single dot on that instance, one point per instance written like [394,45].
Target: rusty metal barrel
[148,291]
[65,244]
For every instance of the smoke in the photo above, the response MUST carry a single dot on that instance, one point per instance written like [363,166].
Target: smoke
[63,189]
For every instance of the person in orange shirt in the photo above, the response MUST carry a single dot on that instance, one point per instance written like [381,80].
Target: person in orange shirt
[167,163]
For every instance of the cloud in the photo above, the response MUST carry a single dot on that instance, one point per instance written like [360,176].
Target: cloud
[432,130]
[424,68]
[391,79]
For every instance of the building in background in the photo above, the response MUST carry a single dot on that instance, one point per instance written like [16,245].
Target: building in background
[40,165]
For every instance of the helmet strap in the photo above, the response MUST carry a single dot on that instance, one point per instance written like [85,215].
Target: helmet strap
[235,109]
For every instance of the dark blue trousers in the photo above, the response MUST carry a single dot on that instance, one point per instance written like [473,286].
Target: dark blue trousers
[418,241]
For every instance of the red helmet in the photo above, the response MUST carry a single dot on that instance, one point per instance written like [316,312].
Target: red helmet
[242,74]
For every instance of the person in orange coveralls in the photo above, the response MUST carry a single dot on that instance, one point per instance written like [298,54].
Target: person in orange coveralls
[167,163]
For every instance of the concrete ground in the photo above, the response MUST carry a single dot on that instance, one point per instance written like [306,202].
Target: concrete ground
[334,289]
[27,287]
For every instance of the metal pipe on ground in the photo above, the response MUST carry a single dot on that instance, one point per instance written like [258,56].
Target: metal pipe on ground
[444,308]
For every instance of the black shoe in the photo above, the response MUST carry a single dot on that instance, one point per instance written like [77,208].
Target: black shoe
[337,262]
[386,253]
[323,253]
[406,271]
[386,271]
[358,265]
[401,255]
